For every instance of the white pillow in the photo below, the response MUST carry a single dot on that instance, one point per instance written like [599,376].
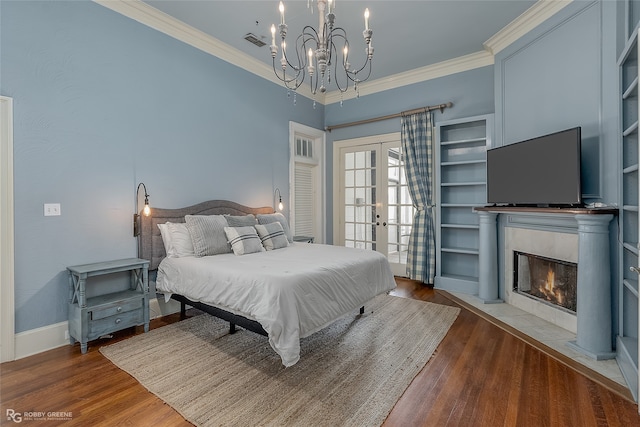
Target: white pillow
[176,239]
[166,237]
[181,240]
[243,240]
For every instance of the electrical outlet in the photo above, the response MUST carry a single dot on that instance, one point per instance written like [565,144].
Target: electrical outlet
[66,335]
[51,209]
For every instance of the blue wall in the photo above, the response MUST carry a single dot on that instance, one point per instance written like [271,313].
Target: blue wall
[471,93]
[101,103]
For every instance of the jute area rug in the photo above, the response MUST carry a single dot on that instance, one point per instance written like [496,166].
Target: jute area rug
[350,374]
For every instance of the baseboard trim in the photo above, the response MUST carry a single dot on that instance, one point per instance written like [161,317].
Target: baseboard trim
[48,337]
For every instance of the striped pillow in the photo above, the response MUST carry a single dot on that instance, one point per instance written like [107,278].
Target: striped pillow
[272,236]
[207,234]
[269,218]
[243,240]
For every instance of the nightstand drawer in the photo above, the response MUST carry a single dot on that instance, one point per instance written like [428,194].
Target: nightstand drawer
[115,323]
[117,307]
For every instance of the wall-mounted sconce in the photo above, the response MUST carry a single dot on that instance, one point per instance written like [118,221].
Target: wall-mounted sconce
[145,211]
[279,198]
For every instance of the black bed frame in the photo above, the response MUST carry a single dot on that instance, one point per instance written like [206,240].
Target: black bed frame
[233,319]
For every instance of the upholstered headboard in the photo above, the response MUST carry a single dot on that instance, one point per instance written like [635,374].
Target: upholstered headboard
[150,245]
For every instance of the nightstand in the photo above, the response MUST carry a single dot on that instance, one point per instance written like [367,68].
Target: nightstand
[106,312]
[304,239]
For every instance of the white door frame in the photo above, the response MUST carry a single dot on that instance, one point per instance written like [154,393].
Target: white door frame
[319,141]
[337,191]
[383,142]
[7,329]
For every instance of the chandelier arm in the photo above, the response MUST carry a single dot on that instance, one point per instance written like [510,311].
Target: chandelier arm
[335,72]
[355,73]
[287,81]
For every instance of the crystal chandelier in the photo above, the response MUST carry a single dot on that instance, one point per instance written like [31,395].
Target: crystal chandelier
[317,53]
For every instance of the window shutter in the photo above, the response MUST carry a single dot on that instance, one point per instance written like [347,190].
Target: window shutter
[304,201]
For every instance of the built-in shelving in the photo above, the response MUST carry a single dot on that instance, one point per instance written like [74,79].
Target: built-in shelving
[628,323]
[460,186]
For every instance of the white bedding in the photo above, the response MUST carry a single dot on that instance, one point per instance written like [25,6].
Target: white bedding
[292,292]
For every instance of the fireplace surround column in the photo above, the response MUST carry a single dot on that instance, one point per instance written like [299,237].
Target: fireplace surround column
[594,288]
[488,258]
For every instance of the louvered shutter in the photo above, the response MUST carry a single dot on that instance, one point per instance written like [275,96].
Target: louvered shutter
[304,200]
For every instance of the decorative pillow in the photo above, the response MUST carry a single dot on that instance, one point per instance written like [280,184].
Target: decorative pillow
[176,239]
[181,244]
[207,234]
[269,218]
[272,235]
[241,220]
[243,240]
[166,238]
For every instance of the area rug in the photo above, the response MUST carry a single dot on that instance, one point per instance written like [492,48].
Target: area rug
[350,374]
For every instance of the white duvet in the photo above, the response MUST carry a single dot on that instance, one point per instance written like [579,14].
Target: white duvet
[292,292]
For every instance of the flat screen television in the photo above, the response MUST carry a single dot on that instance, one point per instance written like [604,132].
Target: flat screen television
[543,171]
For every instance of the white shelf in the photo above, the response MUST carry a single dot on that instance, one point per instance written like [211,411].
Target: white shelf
[631,129]
[460,251]
[463,162]
[463,184]
[631,90]
[463,141]
[461,226]
[632,285]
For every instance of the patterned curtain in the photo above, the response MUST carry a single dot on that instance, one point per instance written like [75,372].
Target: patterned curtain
[417,140]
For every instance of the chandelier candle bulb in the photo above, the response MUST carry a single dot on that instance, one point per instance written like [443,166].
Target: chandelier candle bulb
[273,35]
[281,8]
[366,18]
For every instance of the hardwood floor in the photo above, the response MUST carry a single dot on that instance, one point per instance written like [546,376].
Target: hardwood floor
[480,375]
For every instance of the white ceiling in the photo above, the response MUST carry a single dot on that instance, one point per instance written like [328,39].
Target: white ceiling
[406,34]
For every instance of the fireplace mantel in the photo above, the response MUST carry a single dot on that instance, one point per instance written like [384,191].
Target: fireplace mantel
[539,210]
[594,273]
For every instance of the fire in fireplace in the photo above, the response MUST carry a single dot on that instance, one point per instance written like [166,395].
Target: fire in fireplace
[547,280]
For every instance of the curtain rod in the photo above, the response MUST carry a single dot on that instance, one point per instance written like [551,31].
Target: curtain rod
[440,107]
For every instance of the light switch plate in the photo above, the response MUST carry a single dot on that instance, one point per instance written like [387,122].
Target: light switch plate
[51,209]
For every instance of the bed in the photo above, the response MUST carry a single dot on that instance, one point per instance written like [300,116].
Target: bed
[285,294]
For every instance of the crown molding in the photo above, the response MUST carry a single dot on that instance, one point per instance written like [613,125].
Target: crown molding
[160,21]
[441,69]
[531,18]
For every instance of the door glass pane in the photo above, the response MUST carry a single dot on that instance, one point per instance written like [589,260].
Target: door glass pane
[360,199]
[399,209]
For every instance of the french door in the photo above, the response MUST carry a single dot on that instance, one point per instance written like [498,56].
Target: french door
[373,208]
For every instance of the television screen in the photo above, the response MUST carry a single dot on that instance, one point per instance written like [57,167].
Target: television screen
[543,171]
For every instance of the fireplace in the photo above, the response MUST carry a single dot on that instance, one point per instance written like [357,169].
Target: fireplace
[550,281]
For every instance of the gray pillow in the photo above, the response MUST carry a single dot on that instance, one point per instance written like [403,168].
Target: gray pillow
[241,221]
[207,234]
[243,240]
[272,236]
[269,218]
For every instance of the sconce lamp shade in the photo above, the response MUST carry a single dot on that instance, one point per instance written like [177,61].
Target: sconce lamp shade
[146,211]
[278,197]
